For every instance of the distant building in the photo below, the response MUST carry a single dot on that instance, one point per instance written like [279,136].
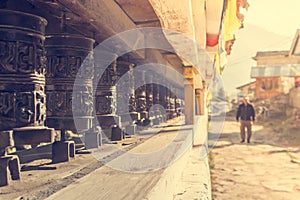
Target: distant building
[247,89]
[276,72]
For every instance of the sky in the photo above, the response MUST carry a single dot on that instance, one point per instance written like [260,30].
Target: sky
[269,25]
[280,17]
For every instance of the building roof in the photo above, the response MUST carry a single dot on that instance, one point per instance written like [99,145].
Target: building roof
[245,85]
[263,54]
[295,47]
[288,70]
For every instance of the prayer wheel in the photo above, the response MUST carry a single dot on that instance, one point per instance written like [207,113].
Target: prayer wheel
[70,71]
[22,77]
[22,70]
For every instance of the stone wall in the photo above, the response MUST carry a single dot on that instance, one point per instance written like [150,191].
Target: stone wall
[281,105]
[294,97]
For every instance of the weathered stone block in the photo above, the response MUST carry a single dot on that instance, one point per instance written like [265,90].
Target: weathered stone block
[93,138]
[63,151]
[3,171]
[14,167]
[117,134]
[130,129]
[108,121]
[33,135]
[9,164]
[6,139]
[156,121]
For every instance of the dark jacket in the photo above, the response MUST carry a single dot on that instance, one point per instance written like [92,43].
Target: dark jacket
[245,112]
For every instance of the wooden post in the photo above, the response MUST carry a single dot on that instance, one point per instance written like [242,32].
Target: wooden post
[189,95]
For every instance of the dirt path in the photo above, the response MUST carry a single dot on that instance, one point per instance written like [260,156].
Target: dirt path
[266,169]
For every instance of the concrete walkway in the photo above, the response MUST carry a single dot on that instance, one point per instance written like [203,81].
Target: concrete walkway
[263,169]
[176,172]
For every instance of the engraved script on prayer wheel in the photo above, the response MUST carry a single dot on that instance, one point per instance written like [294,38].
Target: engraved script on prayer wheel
[69,56]
[22,69]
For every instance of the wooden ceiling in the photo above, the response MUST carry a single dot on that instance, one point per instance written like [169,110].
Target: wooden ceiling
[97,19]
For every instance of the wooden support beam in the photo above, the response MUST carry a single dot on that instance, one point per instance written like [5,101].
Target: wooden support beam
[105,16]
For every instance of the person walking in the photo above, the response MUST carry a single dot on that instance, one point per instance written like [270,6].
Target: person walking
[246,115]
